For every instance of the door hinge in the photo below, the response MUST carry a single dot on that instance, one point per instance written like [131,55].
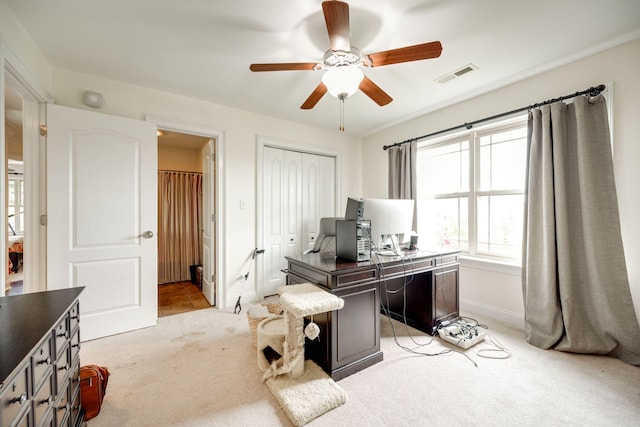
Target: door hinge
[43,130]
[213,217]
[43,220]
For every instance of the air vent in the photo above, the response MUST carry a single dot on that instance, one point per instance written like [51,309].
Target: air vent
[457,73]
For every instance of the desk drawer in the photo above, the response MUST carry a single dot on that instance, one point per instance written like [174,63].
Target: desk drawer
[309,275]
[356,278]
[448,259]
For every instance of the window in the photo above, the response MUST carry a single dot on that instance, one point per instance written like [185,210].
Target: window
[15,207]
[471,190]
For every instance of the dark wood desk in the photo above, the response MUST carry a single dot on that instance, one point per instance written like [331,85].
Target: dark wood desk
[349,338]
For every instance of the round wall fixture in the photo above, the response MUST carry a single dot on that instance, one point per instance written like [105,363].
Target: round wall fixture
[92,99]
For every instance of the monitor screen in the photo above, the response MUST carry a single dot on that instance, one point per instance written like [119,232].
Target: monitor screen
[390,219]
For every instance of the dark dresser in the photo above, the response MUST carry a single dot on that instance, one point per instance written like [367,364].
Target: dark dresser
[40,359]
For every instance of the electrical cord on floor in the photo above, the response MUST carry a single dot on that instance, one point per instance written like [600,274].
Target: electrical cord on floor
[499,352]
[386,311]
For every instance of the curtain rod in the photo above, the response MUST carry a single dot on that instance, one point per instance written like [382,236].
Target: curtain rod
[592,91]
[177,171]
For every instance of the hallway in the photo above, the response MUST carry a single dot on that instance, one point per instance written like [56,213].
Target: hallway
[180,297]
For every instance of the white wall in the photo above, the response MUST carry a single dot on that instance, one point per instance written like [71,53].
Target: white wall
[241,129]
[492,293]
[179,159]
[17,43]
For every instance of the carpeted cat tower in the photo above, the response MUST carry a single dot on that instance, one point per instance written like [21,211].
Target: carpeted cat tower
[302,388]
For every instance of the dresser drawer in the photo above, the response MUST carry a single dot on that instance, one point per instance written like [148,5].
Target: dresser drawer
[74,378]
[43,402]
[74,316]
[75,408]
[62,406]
[62,368]
[41,362]
[61,334]
[75,344]
[14,395]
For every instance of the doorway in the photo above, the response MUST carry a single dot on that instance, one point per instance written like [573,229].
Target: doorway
[180,222]
[15,197]
[22,170]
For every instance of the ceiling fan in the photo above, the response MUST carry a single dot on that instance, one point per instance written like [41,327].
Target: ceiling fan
[342,62]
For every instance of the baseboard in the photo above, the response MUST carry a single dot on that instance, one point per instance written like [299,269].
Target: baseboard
[515,320]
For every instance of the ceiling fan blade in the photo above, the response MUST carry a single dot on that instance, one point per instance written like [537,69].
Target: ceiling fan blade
[336,16]
[292,66]
[406,54]
[315,96]
[374,92]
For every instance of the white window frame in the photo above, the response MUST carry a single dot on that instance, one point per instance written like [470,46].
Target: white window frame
[473,135]
[19,204]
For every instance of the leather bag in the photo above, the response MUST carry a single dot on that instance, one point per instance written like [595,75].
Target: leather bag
[93,387]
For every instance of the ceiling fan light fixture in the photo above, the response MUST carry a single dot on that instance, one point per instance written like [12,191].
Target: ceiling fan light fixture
[343,79]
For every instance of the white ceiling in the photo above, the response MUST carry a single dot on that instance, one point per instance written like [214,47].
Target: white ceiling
[202,48]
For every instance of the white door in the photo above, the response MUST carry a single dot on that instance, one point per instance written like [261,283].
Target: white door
[208,223]
[277,240]
[102,217]
[318,195]
[298,189]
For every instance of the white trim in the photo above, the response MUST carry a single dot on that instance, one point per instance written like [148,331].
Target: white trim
[22,76]
[14,73]
[218,135]
[493,265]
[510,318]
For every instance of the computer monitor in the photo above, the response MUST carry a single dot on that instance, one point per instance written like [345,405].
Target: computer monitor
[391,222]
[354,209]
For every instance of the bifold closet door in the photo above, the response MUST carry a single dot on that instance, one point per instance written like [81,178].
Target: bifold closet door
[298,189]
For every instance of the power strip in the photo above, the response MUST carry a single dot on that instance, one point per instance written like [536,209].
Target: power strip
[462,334]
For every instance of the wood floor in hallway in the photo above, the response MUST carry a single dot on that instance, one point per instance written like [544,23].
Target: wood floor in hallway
[180,297]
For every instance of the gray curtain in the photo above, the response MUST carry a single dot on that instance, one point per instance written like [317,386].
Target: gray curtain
[402,173]
[575,284]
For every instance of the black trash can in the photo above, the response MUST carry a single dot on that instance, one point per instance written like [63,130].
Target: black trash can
[194,275]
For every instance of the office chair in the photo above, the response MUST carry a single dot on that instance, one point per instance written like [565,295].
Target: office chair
[326,241]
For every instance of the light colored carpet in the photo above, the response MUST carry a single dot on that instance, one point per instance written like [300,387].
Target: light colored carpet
[199,369]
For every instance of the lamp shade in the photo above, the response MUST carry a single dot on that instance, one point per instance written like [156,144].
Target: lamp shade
[343,79]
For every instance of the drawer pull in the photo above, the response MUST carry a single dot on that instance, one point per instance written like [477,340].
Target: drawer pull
[75,345]
[46,361]
[63,368]
[48,401]
[21,399]
[65,334]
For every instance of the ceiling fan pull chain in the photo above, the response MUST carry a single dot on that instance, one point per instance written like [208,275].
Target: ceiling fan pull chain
[342,114]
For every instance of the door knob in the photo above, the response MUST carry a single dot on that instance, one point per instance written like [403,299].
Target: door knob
[147,234]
